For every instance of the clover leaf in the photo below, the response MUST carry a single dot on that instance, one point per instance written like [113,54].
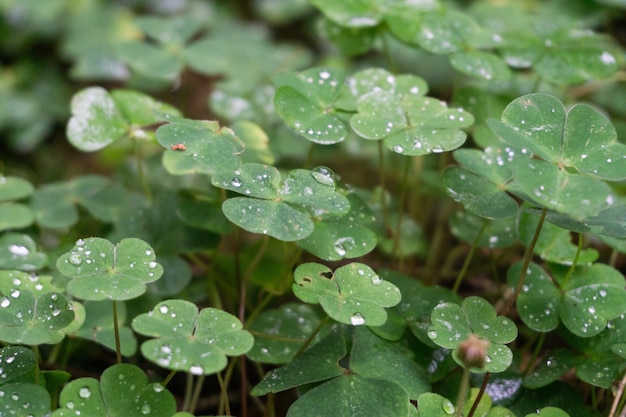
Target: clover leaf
[100,118]
[279,207]
[198,146]
[55,204]
[17,364]
[480,184]
[305,102]
[581,138]
[24,399]
[293,322]
[353,294]
[123,391]
[30,316]
[452,324]
[410,123]
[188,340]
[14,215]
[103,271]
[18,251]
[585,301]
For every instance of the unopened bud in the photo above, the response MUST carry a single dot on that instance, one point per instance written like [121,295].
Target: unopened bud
[473,351]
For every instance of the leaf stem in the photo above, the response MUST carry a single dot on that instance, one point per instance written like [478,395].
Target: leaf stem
[116,331]
[309,339]
[382,179]
[527,257]
[468,258]
[483,387]
[619,396]
[224,402]
[570,271]
[398,230]
[463,390]
[196,393]
[169,377]
[536,351]
[140,169]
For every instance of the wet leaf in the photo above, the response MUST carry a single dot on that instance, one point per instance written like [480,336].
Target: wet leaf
[305,103]
[410,124]
[198,146]
[353,396]
[123,390]
[497,233]
[103,271]
[279,333]
[17,364]
[481,65]
[317,363]
[586,301]
[354,294]
[189,340]
[452,324]
[30,318]
[430,404]
[540,123]
[23,399]
[100,118]
[19,251]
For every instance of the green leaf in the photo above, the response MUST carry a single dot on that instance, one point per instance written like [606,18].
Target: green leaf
[17,364]
[150,60]
[496,233]
[612,221]
[452,324]
[554,243]
[539,299]
[191,341]
[379,359]
[29,318]
[206,148]
[305,103]
[351,13]
[353,396]
[103,271]
[175,29]
[354,294]
[430,404]
[14,188]
[581,138]
[317,363]
[96,120]
[410,124]
[141,109]
[293,322]
[23,399]
[350,41]
[593,295]
[123,390]
[15,216]
[481,65]
[55,204]
[551,368]
[549,412]
[18,251]
[478,195]
[588,298]
[268,217]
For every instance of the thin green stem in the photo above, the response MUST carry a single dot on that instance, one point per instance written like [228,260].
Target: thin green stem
[391,64]
[196,393]
[309,156]
[613,258]
[37,370]
[168,378]
[398,230]
[619,397]
[188,391]
[309,339]
[480,394]
[224,406]
[463,390]
[140,169]
[116,331]
[527,257]
[535,355]
[382,179]
[468,258]
[570,271]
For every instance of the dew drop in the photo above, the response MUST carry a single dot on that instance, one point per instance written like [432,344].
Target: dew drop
[447,406]
[5,302]
[19,250]
[398,149]
[84,392]
[324,175]
[145,409]
[196,370]
[152,264]
[432,334]
[357,319]
[163,309]
[235,182]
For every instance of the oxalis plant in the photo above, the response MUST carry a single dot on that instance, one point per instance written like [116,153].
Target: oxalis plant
[420,213]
